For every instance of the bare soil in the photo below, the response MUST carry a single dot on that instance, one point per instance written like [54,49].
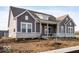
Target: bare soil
[32,46]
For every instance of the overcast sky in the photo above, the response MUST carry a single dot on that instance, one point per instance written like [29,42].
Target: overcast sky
[53,10]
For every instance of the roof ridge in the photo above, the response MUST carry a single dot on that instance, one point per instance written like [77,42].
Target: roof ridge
[31,11]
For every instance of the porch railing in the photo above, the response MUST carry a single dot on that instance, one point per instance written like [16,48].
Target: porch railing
[50,34]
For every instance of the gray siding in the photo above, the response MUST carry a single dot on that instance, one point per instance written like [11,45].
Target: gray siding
[60,27]
[63,24]
[22,19]
[37,27]
[68,25]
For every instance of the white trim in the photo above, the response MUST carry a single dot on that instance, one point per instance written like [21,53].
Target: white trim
[28,12]
[40,28]
[67,22]
[26,26]
[57,27]
[32,15]
[70,30]
[20,14]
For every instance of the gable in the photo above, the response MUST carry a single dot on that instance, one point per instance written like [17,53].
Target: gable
[70,23]
[42,16]
[22,19]
[65,20]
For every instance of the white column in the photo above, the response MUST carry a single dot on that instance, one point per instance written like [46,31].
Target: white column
[16,25]
[57,32]
[65,31]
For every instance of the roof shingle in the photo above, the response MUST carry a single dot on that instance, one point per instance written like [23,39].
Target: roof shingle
[16,11]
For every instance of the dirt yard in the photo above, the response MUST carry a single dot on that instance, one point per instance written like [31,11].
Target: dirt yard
[29,46]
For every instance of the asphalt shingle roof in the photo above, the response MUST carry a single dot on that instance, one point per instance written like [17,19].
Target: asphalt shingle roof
[16,11]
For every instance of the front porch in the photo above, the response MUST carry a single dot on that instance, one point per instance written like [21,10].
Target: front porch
[48,30]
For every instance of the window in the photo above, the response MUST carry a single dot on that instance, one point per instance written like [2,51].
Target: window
[70,30]
[42,16]
[26,27]
[62,29]
[14,30]
[23,27]
[29,28]
[26,17]
[50,30]
[45,17]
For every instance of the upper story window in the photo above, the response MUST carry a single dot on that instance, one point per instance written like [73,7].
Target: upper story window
[42,16]
[29,28]
[23,27]
[26,17]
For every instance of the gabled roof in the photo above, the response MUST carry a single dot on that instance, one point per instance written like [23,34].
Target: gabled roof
[61,18]
[51,17]
[16,11]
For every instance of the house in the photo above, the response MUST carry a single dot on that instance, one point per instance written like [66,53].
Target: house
[25,23]
[4,33]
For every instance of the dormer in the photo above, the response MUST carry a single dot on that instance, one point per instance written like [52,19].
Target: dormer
[42,16]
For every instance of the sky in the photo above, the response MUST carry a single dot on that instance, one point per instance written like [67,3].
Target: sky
[56,11]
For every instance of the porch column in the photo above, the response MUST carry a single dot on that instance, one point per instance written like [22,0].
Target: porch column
[47,30]
[57,29]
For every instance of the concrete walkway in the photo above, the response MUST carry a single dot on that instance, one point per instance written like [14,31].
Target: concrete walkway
[63,50]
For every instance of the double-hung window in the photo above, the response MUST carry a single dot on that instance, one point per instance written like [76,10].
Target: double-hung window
[70,30]
[29,28]
[23,27]
[26,27]
[62,29]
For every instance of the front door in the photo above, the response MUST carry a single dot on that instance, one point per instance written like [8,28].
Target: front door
[50,29]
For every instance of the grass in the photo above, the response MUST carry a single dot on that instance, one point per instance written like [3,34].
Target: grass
[38,45]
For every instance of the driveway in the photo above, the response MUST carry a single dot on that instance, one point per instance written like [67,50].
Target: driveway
[63,50]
